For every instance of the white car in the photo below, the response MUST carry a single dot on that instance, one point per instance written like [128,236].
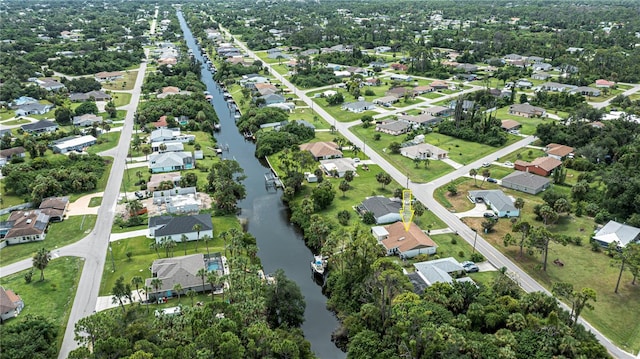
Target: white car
[486,164]
[508,164]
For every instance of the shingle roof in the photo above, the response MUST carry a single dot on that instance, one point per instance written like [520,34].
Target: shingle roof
[438,270]
[321,149]
[27,223]
[380,205]
[395,125]
[405,240]
[12,151]
[39,125]
[6,301]
[558,150]
[496,197]
[617,232]
[526,179]
[183,270]
[184,224]
[509,124]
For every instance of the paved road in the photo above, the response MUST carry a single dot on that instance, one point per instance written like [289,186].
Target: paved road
[424,193]
[635,88]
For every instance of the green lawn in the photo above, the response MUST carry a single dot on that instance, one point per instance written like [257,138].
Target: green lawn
[95,202]
[583,267]
[525,154]
[458,203]
[110,140]
[126,83]
[529,125]
[142,256]
[59,289]
[60,234]
[6,114]
[18,121]
[120,98]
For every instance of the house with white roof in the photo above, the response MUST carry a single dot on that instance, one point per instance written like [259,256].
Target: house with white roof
[171,161]
[438,270]
[621,233]
[78,143]
[499,202]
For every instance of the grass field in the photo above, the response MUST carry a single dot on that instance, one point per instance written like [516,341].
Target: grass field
[142,256]
[120,98]
[95,202]
[583,267]
[52,298]
[17,121]
[71,230]
[110,141]
[126,83]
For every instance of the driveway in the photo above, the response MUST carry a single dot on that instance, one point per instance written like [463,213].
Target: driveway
[81,206]
[478,211]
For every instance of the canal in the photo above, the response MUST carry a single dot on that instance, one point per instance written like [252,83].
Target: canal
[280,244]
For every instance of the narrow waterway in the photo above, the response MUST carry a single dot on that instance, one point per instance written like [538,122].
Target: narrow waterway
[280,244]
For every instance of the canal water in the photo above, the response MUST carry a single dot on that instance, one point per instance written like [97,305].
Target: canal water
[280,244]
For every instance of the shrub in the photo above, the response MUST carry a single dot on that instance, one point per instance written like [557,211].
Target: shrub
[461,254]
[595,246]
[577,241]
[477,257]
[28,277]
[454,241]
[421,257]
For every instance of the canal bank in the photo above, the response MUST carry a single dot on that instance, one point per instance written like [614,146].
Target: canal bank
[280,243]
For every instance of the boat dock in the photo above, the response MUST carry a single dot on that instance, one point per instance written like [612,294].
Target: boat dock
[271,180]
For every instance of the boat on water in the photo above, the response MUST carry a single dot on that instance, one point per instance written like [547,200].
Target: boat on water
[318,265]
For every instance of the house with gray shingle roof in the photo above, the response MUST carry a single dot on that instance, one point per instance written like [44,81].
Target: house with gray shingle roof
[383,209]
[175,227]
[438,270]
[40,127]
[526,182]
[33,109]
[358,106]
[394,128]
[171,161]
[499,202]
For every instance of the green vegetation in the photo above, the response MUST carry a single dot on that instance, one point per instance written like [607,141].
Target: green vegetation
[105,142]
[52,298]
[60,234]
[95,202]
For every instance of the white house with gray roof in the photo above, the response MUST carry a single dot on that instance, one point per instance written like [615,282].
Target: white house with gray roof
[438,270]
[175,227]
[621,233]
[499,202]
[358,106]
[384,210]
[171,161]
[526,182]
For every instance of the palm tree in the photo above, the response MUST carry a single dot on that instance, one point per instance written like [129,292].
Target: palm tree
[137,281]
[155,246]
[224,235]
[41,261]
[197,227]
[184,240]
[202,273]
[485,174]
[206,238]
[139,175]
[177,288]
[214,280]
[146,290]
[156,283]
[191,294]
[519,203]
[146,150]
[473,173]
[134,207]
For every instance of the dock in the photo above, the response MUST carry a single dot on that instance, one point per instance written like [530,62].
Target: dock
[272,181]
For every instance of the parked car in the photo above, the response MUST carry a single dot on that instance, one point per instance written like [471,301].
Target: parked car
[489,215]
[470,267]
[486,164]
[492,180]
[139,194]
[509,164]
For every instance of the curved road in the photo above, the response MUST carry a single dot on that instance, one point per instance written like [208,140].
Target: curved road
[424,193]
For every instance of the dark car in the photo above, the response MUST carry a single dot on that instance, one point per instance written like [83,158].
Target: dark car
[492,180]
[489,215]
[470,267]
[139,195]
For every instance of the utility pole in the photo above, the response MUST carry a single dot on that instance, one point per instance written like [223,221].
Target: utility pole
[474,239]
[113,262]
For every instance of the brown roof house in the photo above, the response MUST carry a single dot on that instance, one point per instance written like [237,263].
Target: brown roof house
[26,226]
[9,153]
[55,208]
[558,151]
[510,125]
[407,244]
[322,150]
[10,304]
[542,166]
[526,110]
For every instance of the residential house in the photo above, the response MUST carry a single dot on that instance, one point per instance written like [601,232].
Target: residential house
[172,91]
[439,271]
[399,92]
[157,179]
[7,154]
[109,76]
[586,91]
[33,109]
[50,84]
[384,210]
[499,202]
[535,59]
[407,243]
[380,64]
[337,166]
[439,85]
[272,99]
[621,233]
[513,57]
[556,87]
[26,226]
[573,50]
[181,270]
[175,227]
[523,83]
[385,101]
[526,182]
[510,125]
[467,68]
[526,110]
[400,77]
[358,106]
[419,90]
[423,120]
[24,100]
[374,81]
[77,143]
[91,95]
[86,120]
[542,166]
[558,151]
[178,200]
[171,161]
[54,207]
[10,304]
[169,146]
[161,123]
[41,126]
[265,88]
[382,49]
[601,83]
[322,150]
[249,81]
[542,76]
[166,135]
[424,151]
[399,67]
[438,111]
[543,66]
[394,127]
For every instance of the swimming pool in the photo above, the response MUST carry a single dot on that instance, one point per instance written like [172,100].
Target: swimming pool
[212,266]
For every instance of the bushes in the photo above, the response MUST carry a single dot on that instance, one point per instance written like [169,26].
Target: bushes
[477,257]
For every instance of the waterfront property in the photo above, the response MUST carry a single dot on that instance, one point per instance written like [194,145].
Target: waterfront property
[157,179]
[407,243]
[178,200]
[171,161]
[384,210]
[322,150]
[337,166]
[175,227]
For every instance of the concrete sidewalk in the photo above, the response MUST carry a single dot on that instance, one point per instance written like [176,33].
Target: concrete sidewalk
[118,236]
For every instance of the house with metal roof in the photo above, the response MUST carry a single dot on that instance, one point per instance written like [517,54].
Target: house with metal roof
[621,233]
[77,143]
[499,202]
[526,182]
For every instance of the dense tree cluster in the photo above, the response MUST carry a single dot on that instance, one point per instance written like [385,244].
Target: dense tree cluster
[225,185]
[62,175]
[474,125]
[32,337]
[81,84]
[185,75]
[199,112]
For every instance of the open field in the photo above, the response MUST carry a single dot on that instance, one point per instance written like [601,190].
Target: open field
[52,298]
[126,83]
